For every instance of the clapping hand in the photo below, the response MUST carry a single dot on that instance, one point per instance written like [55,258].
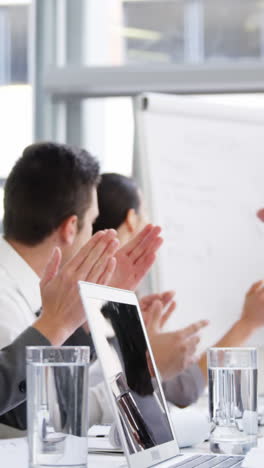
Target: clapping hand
[135,259]
[173,351]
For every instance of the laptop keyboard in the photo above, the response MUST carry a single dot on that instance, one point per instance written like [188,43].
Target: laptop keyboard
[210,461]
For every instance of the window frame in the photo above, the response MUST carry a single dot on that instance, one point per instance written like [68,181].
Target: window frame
[92,82]
[2,183]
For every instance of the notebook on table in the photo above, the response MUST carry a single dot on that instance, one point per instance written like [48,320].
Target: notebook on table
[133,383]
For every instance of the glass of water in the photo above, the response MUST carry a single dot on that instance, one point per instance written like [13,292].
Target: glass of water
[232,375]
[57,406]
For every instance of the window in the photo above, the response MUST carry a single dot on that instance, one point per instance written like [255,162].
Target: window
[13,44]
[1,199]
[175,31]
[15,90]
[166,31]
[233,30]
[109,133]
[153,31]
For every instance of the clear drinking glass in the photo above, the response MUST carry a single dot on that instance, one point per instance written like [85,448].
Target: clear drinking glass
[57,406]
[232,375]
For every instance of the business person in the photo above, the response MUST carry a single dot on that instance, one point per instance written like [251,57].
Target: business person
[121,206]
[51,200]
[59,292]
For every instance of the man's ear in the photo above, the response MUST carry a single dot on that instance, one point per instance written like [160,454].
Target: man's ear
[68,230]
[131,220]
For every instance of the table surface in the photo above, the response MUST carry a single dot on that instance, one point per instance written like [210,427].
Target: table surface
[13,452]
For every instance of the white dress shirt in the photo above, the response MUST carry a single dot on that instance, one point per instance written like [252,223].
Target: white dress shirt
[19,294]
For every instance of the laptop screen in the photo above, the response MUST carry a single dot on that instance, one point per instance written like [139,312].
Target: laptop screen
[129,369]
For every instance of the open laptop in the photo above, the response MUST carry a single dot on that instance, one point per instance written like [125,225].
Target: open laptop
[133,383]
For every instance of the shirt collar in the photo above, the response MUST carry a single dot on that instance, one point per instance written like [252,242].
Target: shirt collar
[27,281]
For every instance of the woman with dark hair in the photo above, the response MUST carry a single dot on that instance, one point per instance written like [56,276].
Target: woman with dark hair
[121,206]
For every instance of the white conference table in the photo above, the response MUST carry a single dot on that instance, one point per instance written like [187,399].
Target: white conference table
[14,452]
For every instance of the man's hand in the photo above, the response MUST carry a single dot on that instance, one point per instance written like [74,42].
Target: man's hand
[157,308]
[253,309]
[174,351]
[62,310]
[135,258]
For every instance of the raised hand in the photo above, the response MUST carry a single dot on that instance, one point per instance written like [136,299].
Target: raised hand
[175,351]
[135,258]
[157,308]
[252,318]
[62,309]
[253,309]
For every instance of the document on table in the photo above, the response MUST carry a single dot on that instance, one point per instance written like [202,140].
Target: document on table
[99,441]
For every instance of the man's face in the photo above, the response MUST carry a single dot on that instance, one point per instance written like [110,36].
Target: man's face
[89,218]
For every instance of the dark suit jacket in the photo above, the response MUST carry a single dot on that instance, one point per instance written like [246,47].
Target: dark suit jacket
[13,408]
[13,369]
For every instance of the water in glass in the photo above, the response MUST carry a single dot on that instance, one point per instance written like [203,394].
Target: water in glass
[58,414]
[233,409]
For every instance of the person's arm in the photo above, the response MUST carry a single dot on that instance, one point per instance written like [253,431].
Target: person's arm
[251,319]
[13,317]
[13,368]
[173,351]
[185,388]
[60,297]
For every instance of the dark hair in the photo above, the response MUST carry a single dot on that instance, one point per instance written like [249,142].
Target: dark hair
[49,183]
[117,194]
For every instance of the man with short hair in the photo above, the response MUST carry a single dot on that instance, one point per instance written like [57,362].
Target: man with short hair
[50,200]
